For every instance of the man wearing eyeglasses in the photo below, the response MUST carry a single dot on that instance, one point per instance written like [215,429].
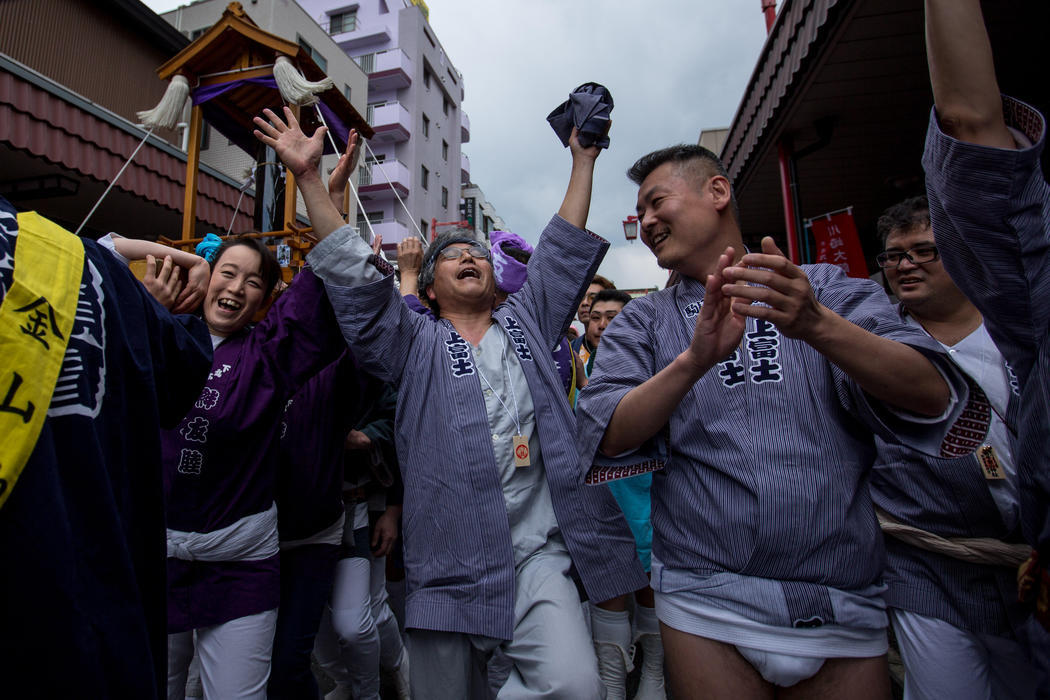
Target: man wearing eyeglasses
[954,610]
[494,512]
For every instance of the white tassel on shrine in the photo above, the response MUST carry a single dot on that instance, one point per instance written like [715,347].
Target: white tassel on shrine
[168,111]
[294,87]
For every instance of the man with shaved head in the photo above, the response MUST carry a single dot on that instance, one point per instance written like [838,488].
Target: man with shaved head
[753,387]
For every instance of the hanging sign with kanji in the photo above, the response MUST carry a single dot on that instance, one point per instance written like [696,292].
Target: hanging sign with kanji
[837,242]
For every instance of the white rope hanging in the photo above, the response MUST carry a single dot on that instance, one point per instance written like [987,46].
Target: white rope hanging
[294,87]
[360,205]
[394,190]
[114,180]
[165,116]
[248,181]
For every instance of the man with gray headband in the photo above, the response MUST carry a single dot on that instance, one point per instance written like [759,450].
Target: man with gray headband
[495,514]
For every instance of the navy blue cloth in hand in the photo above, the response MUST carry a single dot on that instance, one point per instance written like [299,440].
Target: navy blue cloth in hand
[588,109]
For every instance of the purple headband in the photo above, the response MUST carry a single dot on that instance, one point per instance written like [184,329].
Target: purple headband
[509,273]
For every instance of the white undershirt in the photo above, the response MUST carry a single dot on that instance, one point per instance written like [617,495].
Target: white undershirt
[977,355]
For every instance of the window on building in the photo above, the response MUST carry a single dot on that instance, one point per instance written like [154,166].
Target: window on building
[342,22]
[426,126]
[452,75]
[197,33]
[314,54]
[377,158]
[445,105]
[424,176]
[346,92]
[205,136]
[426,78]
[367,62]
[429,38]
[444,196]
[444,150]
[424,226]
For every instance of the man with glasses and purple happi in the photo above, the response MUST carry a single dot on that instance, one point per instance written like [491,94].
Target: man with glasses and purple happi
[953,538]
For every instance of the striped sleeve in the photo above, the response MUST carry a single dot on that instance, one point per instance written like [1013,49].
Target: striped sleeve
[864,303]
[565,260]
[990,213]
[626,361]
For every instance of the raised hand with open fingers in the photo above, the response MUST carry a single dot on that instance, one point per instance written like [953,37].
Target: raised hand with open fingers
[299,153]
[340,176]
[770,278]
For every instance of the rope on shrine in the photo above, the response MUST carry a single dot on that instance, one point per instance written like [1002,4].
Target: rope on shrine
[114,180]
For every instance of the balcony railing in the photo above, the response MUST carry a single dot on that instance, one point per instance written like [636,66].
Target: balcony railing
[391,121]
[387,70]
[378,178]
[391,230]
[353,34]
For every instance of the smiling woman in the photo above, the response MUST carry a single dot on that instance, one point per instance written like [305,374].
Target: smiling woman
[244,272]
[220,466]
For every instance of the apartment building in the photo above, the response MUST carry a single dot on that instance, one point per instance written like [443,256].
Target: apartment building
[414,98]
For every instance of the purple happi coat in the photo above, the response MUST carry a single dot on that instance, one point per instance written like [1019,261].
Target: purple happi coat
[220,463]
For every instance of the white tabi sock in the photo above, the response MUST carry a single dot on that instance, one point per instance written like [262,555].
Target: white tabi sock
[611,632]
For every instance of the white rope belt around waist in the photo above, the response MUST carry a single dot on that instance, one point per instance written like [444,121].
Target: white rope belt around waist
[251,538]
[976,550]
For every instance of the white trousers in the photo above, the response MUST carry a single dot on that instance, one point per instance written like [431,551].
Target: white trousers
[359,633]
[234,658]
[551,654]
[945,661]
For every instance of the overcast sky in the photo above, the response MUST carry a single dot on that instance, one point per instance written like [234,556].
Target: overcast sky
[674,67]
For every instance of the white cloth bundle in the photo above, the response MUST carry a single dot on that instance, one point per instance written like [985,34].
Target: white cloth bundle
[167,112]
[295,88]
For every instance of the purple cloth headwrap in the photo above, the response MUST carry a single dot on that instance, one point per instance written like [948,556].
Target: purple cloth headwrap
[510,274]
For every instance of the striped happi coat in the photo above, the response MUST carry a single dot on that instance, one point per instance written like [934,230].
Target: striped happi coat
[990,213]
[769,451]
[458,557]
